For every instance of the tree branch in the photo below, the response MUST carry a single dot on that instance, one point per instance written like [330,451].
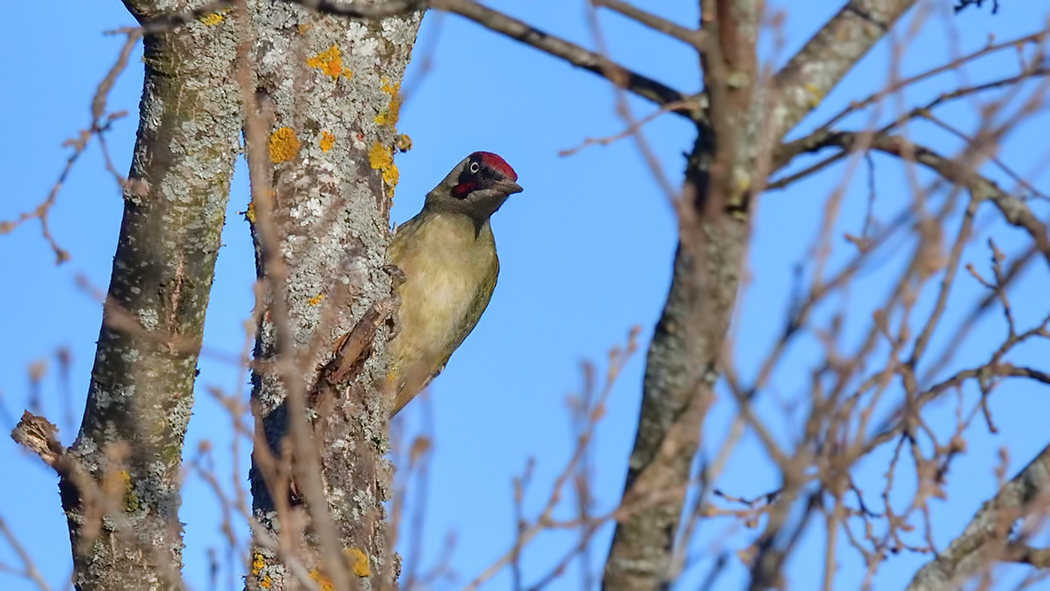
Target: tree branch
[691,36]
[638,84]
[1025,554]
[985,538]
[787,151]
[38,435]
[1014,210]
[900,85]
[832,52]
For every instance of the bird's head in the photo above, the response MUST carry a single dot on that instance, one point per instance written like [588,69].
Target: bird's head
[477,186]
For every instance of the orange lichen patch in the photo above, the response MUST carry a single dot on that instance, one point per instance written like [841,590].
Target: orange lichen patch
[250,213]
[258,562]
[266,583]
[327,139]
[214,18]
[381,158]
[304,27]
[390,115]
[321,580]
[347,73]
[358,562]
[283,145]
[328,61]
[315,300]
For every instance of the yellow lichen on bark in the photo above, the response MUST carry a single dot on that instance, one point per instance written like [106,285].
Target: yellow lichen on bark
[315,300]
[329,62]
[358,562]
[258,564]
[814,96]
[214,18]
[326,142]
[283,145]
[390,115]
[322,581]
[381,158]
[131,502]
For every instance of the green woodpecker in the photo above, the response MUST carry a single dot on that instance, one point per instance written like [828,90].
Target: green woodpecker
[448,257]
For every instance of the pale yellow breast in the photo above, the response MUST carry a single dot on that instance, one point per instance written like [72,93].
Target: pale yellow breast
[446,262]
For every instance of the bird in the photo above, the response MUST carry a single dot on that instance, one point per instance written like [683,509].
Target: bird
[447,256]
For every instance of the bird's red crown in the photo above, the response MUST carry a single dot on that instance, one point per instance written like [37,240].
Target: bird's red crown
[494,161]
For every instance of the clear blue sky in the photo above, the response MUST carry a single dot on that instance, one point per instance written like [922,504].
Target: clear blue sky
[585,255]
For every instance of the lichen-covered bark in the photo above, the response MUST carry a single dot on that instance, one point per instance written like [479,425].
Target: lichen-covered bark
[123,521]
[832,52]
[327,89]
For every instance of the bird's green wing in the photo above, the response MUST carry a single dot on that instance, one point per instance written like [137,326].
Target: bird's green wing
[402,238]
[477,307]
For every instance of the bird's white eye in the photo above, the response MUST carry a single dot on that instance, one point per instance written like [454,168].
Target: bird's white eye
[474,167]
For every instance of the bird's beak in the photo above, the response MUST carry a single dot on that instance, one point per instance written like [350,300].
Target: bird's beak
[508,186]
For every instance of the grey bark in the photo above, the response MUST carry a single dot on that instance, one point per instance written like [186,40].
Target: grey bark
[985,539]
[829,55]
[321,252]
[123,518]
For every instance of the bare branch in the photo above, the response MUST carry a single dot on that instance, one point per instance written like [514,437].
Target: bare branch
[789,150]
[832,52]
[991,48]
[691,36]
[631,129]
[984,539]
[1025,554]
[37,434]
[30,571]
[640,85]
[99,125]
[1014,210]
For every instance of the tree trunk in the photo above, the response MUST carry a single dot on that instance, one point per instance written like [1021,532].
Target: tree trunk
[122,503]
[326,89]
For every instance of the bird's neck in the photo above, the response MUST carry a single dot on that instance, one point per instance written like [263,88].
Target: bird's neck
[458,220]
